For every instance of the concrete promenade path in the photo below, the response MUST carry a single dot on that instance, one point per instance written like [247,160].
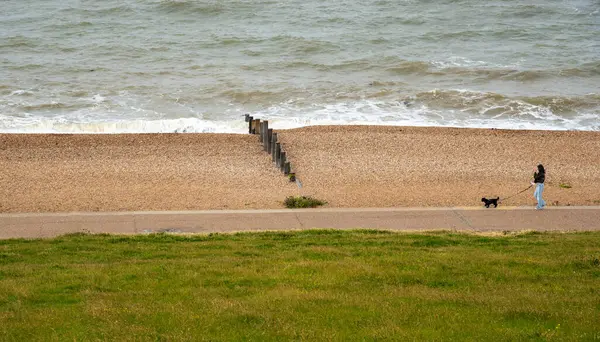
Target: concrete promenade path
[34,225]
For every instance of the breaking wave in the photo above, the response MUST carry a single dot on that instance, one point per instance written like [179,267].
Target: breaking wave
[454,66]
[190,7]
[441,108]
[65,125]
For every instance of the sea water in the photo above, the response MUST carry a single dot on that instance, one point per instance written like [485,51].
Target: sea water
[198,66]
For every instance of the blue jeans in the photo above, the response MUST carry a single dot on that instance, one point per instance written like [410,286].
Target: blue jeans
[539,189]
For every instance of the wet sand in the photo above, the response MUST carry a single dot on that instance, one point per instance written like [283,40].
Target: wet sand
[348,166]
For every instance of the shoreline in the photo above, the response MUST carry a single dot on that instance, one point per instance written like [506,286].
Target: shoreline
[288,128]
[347,166]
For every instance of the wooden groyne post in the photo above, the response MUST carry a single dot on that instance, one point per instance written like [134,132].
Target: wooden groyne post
[282,160]
[273,146]
[268,138]
[250,121]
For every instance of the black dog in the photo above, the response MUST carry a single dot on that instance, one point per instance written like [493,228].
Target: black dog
[491,201]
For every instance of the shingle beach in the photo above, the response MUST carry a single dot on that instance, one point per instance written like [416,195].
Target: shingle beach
[348,166]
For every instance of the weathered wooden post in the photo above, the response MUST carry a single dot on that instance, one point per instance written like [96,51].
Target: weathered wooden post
[263,132]
[256,126]
[277,153]
[282,160]
[286,168]
[273,145]
[261,135]
[268,141]
[250,121]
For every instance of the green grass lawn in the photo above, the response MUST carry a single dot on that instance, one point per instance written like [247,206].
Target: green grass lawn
[310,285]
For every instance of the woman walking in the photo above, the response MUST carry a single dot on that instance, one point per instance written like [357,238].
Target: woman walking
[538,180]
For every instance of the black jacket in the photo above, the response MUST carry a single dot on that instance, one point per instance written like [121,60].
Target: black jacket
[539,177]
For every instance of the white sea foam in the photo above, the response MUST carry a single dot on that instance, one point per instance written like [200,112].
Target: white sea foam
[62,125]
[516,115]
[463,62]
[21,92]
[478,113]
[98,98]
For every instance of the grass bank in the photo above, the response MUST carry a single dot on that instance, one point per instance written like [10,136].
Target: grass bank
[310,285]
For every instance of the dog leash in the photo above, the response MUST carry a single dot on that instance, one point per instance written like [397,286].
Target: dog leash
[518,193]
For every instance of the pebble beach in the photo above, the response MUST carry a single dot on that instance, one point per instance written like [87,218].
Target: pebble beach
[371,166]
[347,166]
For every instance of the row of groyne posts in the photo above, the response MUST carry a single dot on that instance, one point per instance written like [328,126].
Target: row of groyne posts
[268,139]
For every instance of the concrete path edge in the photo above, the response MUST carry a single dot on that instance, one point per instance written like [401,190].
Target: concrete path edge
[46,225]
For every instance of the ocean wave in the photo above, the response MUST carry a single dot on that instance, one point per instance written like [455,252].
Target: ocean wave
[460,62]
[244,97]
[452,66]
[228,41]
[26,67]
[584,70]
[558,104]
[51,107]
[65,125]
[232,95]
[518,115]
[69,25]
[304,64]
[527,11]
[44,106]
[481,69]
[410,67]
[19,41]
[456,98]
[191,7]
[479,102]
[511,74]
[444,36]
[386,84]
[440,108]
[22,92]
[301,45]
[334,20]
[93,11]
[252,53]
[414,20]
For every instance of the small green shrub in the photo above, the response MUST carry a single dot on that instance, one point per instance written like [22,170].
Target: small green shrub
[565,185]
[292,177]
[302,202]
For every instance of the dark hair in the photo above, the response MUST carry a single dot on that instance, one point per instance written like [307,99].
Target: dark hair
[541,168]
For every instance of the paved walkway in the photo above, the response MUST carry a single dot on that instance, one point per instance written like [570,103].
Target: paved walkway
[30,225]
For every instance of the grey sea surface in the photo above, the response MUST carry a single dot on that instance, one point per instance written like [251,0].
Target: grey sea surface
[198,66]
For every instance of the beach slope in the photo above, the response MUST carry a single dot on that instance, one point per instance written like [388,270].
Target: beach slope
[348,166]
[128,172]
[375,166]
